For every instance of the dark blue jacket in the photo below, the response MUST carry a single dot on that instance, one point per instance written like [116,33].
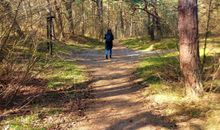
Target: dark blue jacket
[109,44]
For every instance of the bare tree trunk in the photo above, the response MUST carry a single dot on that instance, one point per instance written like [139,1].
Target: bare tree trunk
[151,27]
[100,17]
[154,26]
[10,14]
[121,19]
[189,47]
[69,9]
[131,27]
[83,18]
[158,30]
[60,20]
[206,33]
[116,31]
[108,14]
[93,31]
[156,21]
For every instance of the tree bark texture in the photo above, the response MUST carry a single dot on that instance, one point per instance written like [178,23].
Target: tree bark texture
[189,47]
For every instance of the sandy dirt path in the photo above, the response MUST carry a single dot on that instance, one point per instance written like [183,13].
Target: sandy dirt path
[117,103]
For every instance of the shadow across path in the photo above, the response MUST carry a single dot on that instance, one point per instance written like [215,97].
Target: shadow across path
[142,120]
[117,102]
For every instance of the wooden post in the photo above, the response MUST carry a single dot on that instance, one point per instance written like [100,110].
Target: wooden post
[50,33]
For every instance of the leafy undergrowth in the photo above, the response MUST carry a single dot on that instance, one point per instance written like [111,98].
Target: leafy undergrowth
[166,90]
[144,43]
[56,89]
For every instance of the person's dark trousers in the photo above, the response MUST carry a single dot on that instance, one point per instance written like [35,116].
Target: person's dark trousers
[108,52]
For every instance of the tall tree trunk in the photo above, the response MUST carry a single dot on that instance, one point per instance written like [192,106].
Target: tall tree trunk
[69,9]
[156,21]
[131,27]
[100,17]
[108,14]
[158,30]
[116,31]
[189,47]
[207,33]
[11,17]
[121,19]
[83,18]
[59,19]
[93,30]
[151,27]
[154,26]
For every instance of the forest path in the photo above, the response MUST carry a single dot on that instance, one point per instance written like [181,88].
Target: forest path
[117,103]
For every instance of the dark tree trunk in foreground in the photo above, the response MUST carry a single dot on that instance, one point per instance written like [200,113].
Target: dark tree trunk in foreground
[189,47]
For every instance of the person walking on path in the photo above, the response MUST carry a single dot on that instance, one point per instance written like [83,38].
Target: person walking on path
[109,37]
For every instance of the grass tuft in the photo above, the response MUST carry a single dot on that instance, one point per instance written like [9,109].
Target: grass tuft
[22,123]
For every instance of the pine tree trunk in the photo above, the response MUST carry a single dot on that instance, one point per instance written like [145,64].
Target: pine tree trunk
[189,47]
